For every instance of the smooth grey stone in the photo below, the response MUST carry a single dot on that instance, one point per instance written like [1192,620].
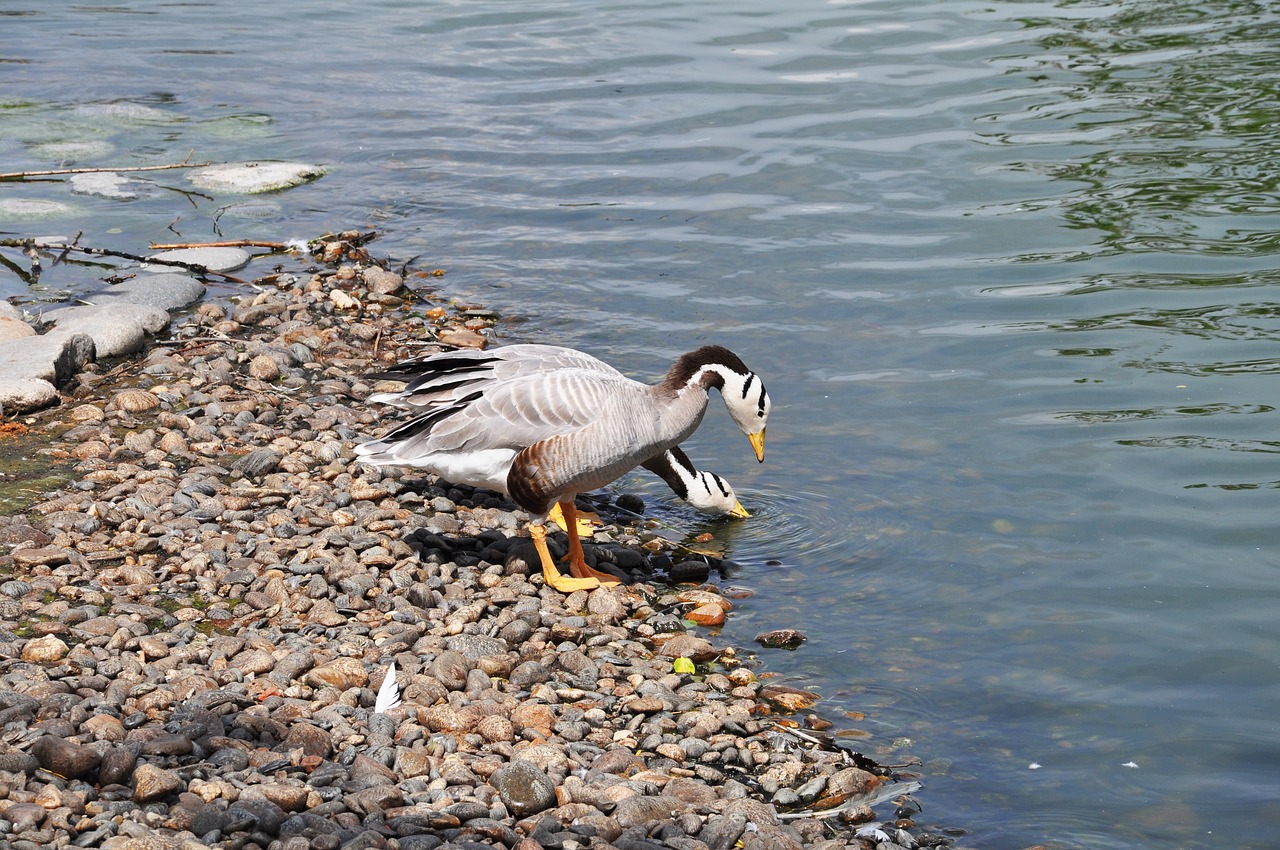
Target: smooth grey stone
[12,209]
[168,291]
[53,359]
[111,184]
[117,329]
[524,788]
[212,259]
[250,178]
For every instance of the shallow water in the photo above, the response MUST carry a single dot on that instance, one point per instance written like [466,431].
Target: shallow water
[1008,269]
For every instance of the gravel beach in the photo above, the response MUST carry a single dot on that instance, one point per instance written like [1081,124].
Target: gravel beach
[194,627]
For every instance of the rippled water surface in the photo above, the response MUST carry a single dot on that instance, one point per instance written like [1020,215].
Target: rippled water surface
[1008,268]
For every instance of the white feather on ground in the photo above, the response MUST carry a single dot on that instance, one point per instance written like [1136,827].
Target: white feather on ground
[389,693]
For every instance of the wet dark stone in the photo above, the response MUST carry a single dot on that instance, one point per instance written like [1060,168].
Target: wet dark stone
[64,758]
[230,758]
[207,818]
[689,572]
[258,462]
[523,788]
[492,830]
[420,842]
[167,745]
[631,502]
[781,639]
[721,833]
[255,816]
[117,766]
[450,669]
[467,810]
[16,762]
[528,674]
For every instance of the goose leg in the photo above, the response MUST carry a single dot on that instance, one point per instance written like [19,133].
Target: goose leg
[586,519]
[551,575]
[577,560]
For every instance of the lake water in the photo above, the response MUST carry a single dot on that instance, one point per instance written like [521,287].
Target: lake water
[1008,268]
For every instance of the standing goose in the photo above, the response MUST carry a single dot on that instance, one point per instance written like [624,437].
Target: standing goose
[447,377]
[543,436]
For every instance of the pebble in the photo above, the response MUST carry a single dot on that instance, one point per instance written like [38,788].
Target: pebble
[193,628]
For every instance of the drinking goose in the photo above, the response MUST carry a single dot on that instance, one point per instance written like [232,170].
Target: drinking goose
[703,490]
[447,377]
[543,436]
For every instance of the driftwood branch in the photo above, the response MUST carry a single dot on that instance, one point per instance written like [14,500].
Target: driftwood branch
[64,247]
[234,243]
[875,797]
[56,172]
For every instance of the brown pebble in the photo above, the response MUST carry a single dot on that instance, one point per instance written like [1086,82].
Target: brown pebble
[264,368]
[462,338]
[134,401]
[49,649]
[49,556]
[709,614]
[781,639]
[151,783]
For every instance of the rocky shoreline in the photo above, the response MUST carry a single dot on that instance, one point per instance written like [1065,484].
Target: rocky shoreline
[193,629]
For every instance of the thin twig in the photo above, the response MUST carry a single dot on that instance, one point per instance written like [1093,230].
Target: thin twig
[875,797]
[194,268]
[53,172]
[17,269]
[234,243]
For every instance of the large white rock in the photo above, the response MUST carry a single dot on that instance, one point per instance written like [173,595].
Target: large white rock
[18,395]
[252,177]
[117,329]
[45,358]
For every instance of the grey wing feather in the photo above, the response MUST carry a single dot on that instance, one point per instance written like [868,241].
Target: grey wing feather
[513,414]
[445,378]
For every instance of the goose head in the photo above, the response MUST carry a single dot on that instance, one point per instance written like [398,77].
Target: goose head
[711,494]
[703,490]
[743,391]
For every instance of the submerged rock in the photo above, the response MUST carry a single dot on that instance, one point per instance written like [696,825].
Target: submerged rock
[253,177]
[212,259]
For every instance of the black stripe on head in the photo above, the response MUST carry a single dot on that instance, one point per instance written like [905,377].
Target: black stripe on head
[721,484]
[746,385]
[680,458]
[683,370]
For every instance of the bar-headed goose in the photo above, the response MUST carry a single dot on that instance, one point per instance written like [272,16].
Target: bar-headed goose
[543,436]
[442,378]
[704,490]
